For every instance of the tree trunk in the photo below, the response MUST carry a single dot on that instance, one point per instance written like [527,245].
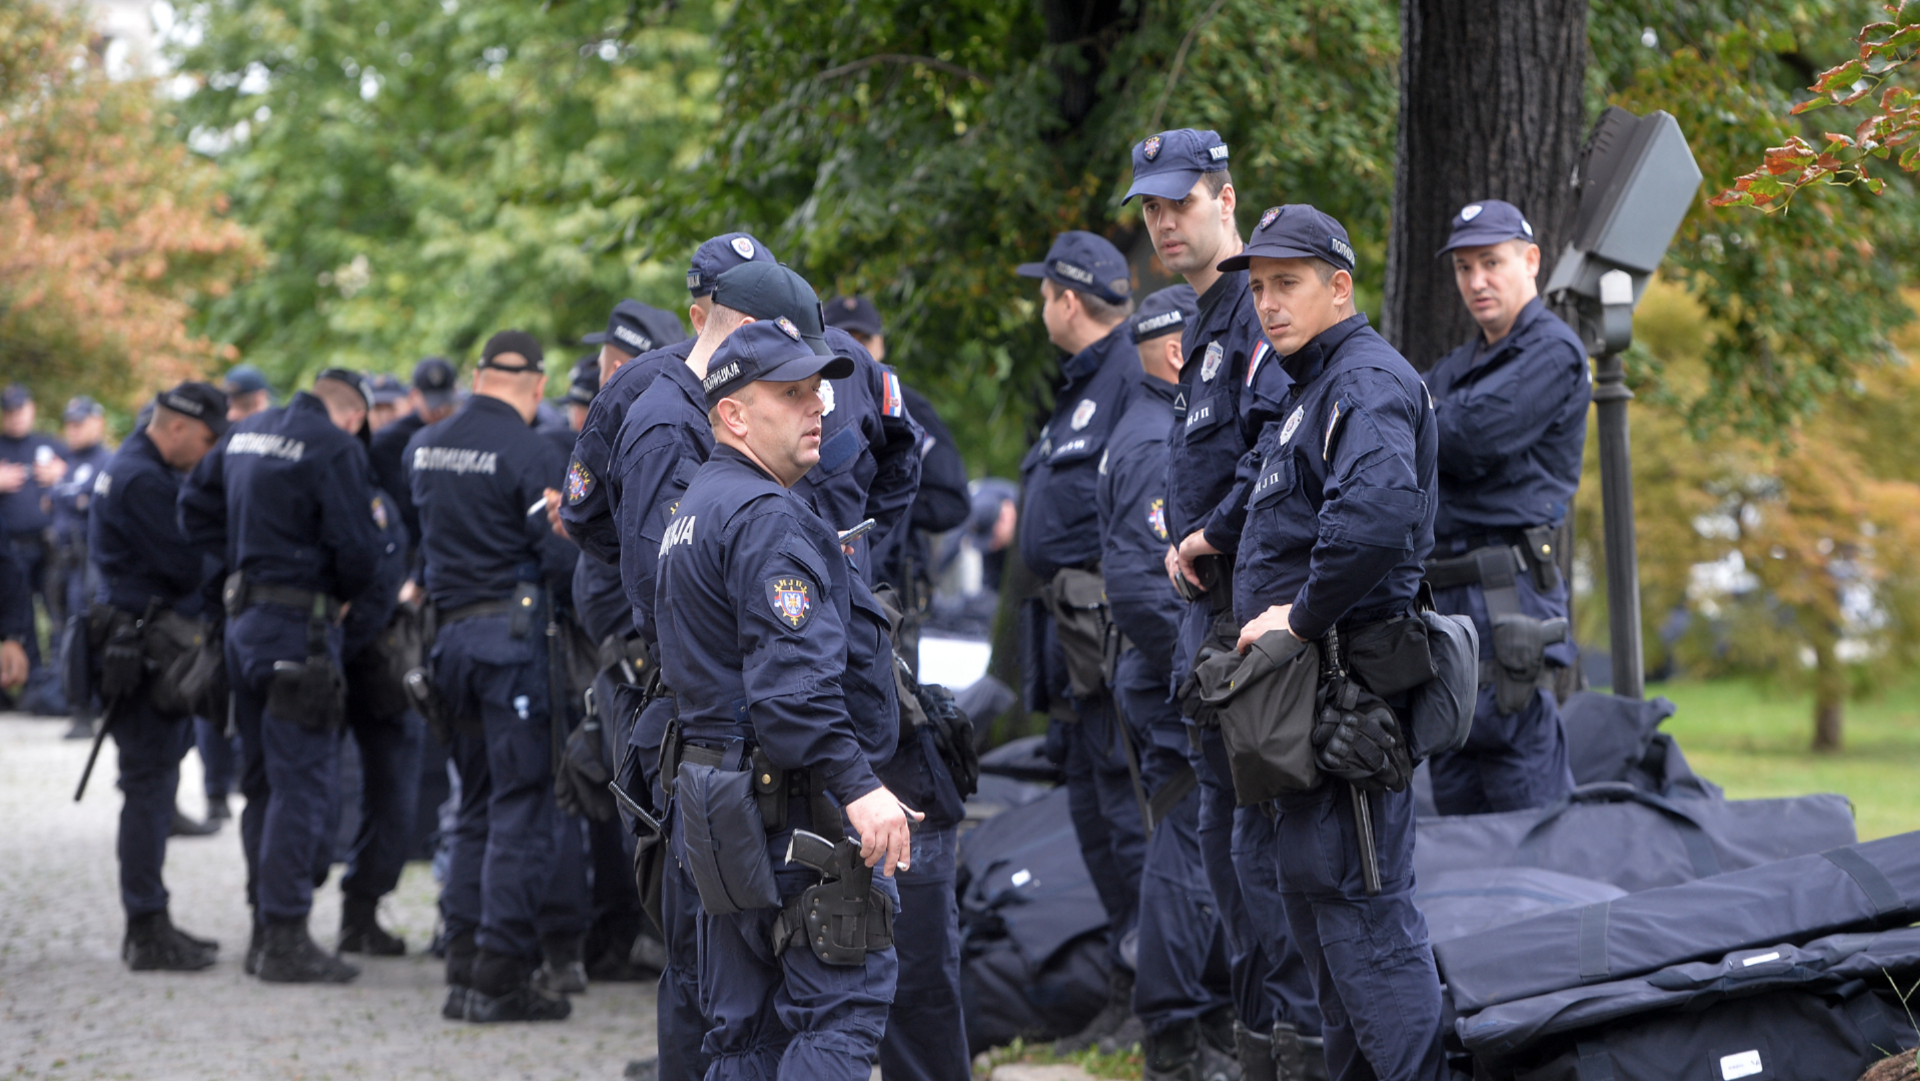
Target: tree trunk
[1829,696]
[1491,107]
[1085,32]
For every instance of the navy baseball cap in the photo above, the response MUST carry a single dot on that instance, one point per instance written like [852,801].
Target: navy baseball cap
[80,407]
[514,341]
[386,389]
[434,378]
[203,402]
[245,379]
[855,315]
[773,291]
[721,254]
[586,380]
[1295,231]
[1167,311]
[1489,221]
[351,378]
[770,350]
[16,396]
[1170,163]
[635,328]
[1084,261]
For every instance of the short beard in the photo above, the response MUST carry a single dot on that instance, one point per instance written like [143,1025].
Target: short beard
[1192,260]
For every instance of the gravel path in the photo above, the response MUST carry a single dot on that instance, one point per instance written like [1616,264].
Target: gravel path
[70,1009]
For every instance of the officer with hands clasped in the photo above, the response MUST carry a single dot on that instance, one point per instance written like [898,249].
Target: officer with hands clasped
[286,502]
[1333,513]
[477,480]
[1086,295]
[147,567]
[759,614]
[1180,992]
[1229,390]
[1512,406]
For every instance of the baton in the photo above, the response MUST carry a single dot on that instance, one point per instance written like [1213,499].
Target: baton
[100,737]
[1369,856]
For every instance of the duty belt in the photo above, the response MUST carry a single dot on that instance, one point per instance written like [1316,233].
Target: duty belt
[773,787]
[249,593]
[476,610]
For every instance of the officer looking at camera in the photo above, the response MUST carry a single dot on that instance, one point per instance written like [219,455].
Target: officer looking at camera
[1332,514]
[1512,406]
[147,568]
[1086,295]
[477,480]
[286,502]
[1229,390]
[759,613]
[1180,992]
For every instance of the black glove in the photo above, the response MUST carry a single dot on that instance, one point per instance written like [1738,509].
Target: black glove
[580,780]
[123,664]
[1357,739]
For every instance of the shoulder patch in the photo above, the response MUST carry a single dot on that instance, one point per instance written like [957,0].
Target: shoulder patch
[1210,364]
[1259,354]
[380,513]
[1333,424]
[792,599]
[826,396]
[893,403]
[1157,518]
[579,483]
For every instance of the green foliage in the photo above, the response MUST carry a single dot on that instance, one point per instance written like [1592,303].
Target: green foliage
[426,174]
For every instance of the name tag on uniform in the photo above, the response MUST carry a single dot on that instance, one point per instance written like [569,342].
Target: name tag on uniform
[1271,472]
[1200,416]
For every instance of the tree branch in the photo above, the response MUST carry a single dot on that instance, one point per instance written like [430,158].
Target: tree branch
[1180,60]
[901,58]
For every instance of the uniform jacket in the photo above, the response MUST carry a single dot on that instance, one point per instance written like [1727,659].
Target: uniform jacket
[74,494]
[1058,524]
[28,509]
[592,492]
[665,440]
[134,536]
[1132,502]
[1513,423]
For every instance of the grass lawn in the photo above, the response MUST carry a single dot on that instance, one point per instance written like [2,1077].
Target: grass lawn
[1752,739]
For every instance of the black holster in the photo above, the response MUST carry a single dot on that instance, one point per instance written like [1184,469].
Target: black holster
[841,918]
[310,693]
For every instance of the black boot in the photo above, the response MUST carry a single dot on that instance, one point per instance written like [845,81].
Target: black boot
[561,971]
[1173,1053]
[256,944]
[1110,1019]
[182,826]
[460,954]
[153,944]
[1297,1057]
[360,930]
[217,810]
[1255,1053]
[289,955]
[1219,1060]
[502,991]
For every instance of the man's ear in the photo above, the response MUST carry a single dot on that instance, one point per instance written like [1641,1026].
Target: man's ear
[1176,357]
[733,415]
[1342,288]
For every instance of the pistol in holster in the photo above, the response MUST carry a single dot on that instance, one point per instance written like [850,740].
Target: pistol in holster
[844,916]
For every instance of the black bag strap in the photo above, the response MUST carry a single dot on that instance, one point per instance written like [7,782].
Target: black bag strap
[1594,963]
[1595,1062]
[1172,791]
[1699,846]
[1885,898]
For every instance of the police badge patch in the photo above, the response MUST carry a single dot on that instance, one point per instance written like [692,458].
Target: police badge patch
[1157,518]
[1293,423]
[792,600]
[1210,364]
[1266,219]
[579,483]
[380,514]
[786,327]
[826,396]
[1083,413]
[1471,212]
[743,247]
[1151,148]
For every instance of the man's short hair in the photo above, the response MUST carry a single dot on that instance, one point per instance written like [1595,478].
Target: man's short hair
[722,319]
[1216,181]
[1102,311]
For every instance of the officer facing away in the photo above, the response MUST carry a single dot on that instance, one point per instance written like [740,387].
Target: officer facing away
[474,477]
[1086,297]
[1512,406]
[286,502]
[759,615]
[1229,390]
[146,568]
[1333,512]
[1180,991]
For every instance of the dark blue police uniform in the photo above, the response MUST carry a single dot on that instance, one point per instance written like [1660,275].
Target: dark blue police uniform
[1333,512]
[473,476]
[143,558]
[286,499]
[758,610]
[72,498]
[1513,424]
[1181,973]
[26,515]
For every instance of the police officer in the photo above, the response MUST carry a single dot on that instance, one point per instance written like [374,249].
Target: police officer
[147,567]
[247,392]
[433,397]
[587,509]
[1229,391]
[665,439]
[1086,295]
[31,464]
[286,502]
[1181,992]
[1512,405]
[1333,512]
[904,557]
[757,610]
[389,401]
[85,430]
[474,477]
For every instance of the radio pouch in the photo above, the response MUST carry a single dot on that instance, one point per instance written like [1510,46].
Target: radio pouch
[723,839]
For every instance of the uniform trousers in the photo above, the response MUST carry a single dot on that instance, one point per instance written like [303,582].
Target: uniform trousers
[926,1037]
[150,747]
